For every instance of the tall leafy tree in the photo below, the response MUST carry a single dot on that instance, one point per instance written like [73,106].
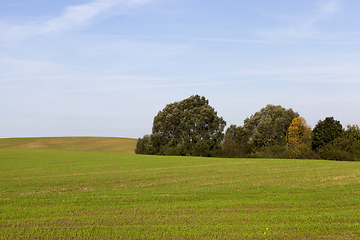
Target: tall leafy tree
[298,132]
[298,138]
[326,131]
[187,127]
[268,126]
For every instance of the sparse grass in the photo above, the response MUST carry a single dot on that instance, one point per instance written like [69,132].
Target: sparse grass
[47,194]
[98,144]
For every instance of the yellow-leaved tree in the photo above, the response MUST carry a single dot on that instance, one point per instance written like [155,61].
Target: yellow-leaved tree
[298,136]
[298,132]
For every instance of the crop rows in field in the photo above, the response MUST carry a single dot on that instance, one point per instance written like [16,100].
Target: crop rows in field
[82,195]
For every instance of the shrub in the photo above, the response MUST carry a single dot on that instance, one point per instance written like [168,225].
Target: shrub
[142,145]
[341,149]
[236,142]
[301,151]
[276,151]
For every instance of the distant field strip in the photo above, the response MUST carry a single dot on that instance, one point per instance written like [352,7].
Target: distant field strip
[51,194]
[97,144]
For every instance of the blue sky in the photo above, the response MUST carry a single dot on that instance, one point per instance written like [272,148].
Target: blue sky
[106,67]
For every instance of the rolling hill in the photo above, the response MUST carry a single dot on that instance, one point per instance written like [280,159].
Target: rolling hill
[94,144]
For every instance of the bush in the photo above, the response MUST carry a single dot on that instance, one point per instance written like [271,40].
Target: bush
[275,151]
[236,142]
[142,145]
[301,151]
[341,149]
[252,155]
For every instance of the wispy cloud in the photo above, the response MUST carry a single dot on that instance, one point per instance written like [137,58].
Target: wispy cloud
[82,15]
[330,73]
[72,17]
[235,40]
[328,8]
[305,26]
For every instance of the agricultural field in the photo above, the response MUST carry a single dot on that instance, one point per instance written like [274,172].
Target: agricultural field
[84,194]
[97,144]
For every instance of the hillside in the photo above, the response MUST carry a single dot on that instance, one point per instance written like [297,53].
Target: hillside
[97,144]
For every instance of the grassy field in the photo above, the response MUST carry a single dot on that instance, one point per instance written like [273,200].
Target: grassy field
[97,144]
[53,194]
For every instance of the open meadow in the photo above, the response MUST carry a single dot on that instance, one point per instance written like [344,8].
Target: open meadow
[72,194]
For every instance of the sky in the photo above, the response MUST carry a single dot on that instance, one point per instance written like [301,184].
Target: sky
[107,67]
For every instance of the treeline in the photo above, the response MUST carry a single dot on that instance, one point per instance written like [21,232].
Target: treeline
[191,127]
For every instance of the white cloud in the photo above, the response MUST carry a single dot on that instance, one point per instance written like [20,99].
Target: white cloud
[72,17]
[82,15]
[235,40]
[328,73]
[304,26]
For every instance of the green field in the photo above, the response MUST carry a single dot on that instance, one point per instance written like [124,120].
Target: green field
[67,194]
[97,144]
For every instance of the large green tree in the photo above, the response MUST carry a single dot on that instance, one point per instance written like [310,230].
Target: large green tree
[268,127]
[326,131]
[187,127]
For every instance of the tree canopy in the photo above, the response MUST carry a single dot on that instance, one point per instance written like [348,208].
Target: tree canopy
[353,132]
[326,131]
[268,126]
[298,132]
[191,127]
[187,127]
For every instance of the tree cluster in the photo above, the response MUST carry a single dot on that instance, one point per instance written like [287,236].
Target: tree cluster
[331,141]
[191,127]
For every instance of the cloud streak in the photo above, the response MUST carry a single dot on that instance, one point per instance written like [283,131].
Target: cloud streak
[81,15]
[305,27]
[72,17]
